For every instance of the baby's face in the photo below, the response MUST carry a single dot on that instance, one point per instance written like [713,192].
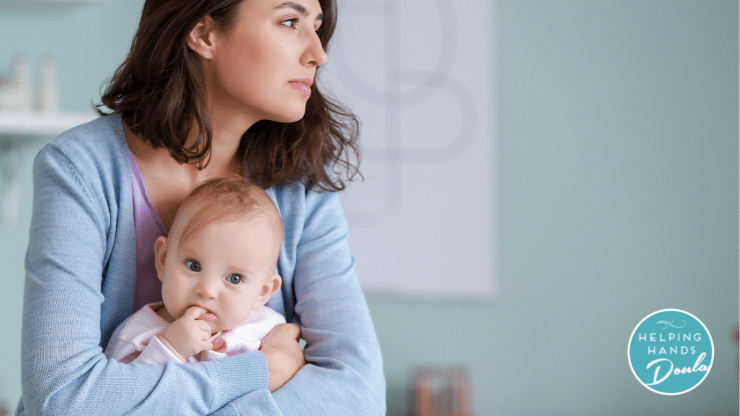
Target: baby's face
[225,268]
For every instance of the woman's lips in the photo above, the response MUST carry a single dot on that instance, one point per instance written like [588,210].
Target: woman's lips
[301,87]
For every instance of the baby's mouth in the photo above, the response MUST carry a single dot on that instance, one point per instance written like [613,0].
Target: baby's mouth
[207,316]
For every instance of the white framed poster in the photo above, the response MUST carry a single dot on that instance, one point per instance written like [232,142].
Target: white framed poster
[419,74]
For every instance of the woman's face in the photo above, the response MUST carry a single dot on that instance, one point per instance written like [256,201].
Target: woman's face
[263,66]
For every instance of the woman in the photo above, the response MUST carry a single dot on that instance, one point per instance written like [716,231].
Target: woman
[209,88]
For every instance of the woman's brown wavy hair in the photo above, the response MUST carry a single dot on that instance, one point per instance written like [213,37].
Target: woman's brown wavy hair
[159,90]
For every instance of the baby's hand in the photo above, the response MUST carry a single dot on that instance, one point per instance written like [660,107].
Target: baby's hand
[188,335]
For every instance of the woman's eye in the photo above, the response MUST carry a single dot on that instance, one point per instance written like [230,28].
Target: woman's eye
[290,23]
[192,265]
[234,279]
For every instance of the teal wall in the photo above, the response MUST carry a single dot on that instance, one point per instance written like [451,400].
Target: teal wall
[617,195]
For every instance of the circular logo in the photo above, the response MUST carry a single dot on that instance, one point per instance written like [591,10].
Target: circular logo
[670,352]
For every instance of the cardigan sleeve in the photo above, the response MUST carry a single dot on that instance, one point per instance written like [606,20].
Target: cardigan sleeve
[344,374]
[64,370]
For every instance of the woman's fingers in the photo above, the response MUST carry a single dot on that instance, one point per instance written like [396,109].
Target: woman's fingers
[283,333]
[283,354]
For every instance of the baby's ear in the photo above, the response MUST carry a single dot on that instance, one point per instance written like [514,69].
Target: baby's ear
[272,284]
[160,254]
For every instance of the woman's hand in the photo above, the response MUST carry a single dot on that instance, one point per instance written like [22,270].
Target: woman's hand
[283,354]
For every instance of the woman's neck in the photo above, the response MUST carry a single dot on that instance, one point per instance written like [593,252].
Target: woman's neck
[222,159]
[227,128]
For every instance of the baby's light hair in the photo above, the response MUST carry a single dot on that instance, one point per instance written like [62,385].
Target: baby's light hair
[227,199]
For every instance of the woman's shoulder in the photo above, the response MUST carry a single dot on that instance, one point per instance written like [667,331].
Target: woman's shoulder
[101,136]
[93,155]
[298,205]
[299,193]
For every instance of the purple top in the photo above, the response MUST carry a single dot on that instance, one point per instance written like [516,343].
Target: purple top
[149,227]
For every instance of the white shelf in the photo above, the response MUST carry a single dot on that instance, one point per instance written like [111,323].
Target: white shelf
[45,4]
[50,2]
[30,124]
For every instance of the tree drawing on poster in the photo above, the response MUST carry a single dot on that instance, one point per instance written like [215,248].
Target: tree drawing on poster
[418,73]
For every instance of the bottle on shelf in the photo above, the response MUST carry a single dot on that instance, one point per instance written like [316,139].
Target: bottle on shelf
[47,97]
[16,93]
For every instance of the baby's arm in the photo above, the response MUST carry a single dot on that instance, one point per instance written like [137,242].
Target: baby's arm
[154,352]
[188,335]
[135,340]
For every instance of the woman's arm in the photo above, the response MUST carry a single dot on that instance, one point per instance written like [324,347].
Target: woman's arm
[71,258]
[344,374]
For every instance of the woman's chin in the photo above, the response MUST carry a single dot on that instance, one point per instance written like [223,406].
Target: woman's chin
[289,116]
[288,120]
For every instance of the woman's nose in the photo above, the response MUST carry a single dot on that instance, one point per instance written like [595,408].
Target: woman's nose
[315,54]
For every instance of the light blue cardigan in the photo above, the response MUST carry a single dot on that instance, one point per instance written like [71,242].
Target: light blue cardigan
[80,274]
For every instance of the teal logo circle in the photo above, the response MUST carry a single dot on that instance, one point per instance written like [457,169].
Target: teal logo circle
[670,352]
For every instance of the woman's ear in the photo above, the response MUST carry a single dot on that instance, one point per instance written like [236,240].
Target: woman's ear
[202,38]
[160,254]
[272,284]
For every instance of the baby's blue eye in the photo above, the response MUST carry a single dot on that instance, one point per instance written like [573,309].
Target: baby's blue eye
[193,265]
[234,279]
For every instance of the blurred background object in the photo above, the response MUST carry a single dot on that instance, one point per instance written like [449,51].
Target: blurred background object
[736,337]
[4,405]
[16,90]
[19,94]
[47,96]
[443,391]
[426,130]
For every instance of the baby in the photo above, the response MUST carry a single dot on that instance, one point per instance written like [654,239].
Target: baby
[217,272]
